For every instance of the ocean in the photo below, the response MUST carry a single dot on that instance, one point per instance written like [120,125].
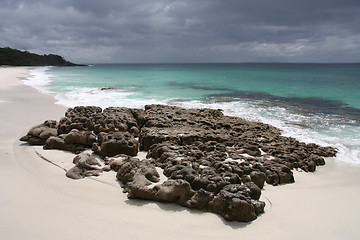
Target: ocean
[317,103]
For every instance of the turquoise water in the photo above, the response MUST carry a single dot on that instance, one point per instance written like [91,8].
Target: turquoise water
[312,102]
[339,82]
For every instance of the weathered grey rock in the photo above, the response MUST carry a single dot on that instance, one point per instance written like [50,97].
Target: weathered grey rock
[235,203]
[85,165]
[86,138]
[113,143]
[258,178]
[38,134]
[60,143]
[132,170]
[80,118]
[134,131]
[115,119]
[83,111]
[75,141]
[172,191]
[176,191]
[209,180]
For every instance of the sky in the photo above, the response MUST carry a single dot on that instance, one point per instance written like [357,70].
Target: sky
[149,31]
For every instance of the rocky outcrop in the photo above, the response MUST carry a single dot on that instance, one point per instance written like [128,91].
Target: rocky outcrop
[208,161]
[239,202]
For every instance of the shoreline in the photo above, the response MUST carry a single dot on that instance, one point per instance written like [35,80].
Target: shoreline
[309,126]
[38,201]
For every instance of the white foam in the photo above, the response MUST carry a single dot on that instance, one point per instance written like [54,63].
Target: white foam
[309,129]
[39,79]
[76,96]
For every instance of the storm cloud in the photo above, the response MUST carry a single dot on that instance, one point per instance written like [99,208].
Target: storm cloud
[107,31]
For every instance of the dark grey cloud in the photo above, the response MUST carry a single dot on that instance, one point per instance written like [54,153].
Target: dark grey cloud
[185,31]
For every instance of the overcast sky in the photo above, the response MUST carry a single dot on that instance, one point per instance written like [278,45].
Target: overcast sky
[108,31]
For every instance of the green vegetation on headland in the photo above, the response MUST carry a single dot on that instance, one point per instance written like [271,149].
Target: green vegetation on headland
[14,57]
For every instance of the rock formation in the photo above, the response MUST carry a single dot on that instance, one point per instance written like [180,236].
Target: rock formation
[113,143]
[85,166]
[38,134]
[210,162]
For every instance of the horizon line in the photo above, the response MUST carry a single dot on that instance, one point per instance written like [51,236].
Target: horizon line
[174,63]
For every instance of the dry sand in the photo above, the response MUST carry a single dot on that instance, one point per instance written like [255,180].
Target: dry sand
[37,201]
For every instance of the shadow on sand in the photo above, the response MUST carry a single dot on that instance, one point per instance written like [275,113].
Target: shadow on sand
[173,207]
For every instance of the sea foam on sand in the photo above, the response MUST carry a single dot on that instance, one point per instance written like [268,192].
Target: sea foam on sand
[37,201]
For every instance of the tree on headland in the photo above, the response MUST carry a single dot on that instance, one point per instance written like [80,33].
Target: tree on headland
[14,57]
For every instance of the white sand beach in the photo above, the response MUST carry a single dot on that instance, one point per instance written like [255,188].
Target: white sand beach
[37,200]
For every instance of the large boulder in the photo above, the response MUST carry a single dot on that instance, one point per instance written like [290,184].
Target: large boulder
[113,143]
[86,138]
[75,141]
[114,119]
[80,118]
[234,203]
[60,143]
[132,170]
